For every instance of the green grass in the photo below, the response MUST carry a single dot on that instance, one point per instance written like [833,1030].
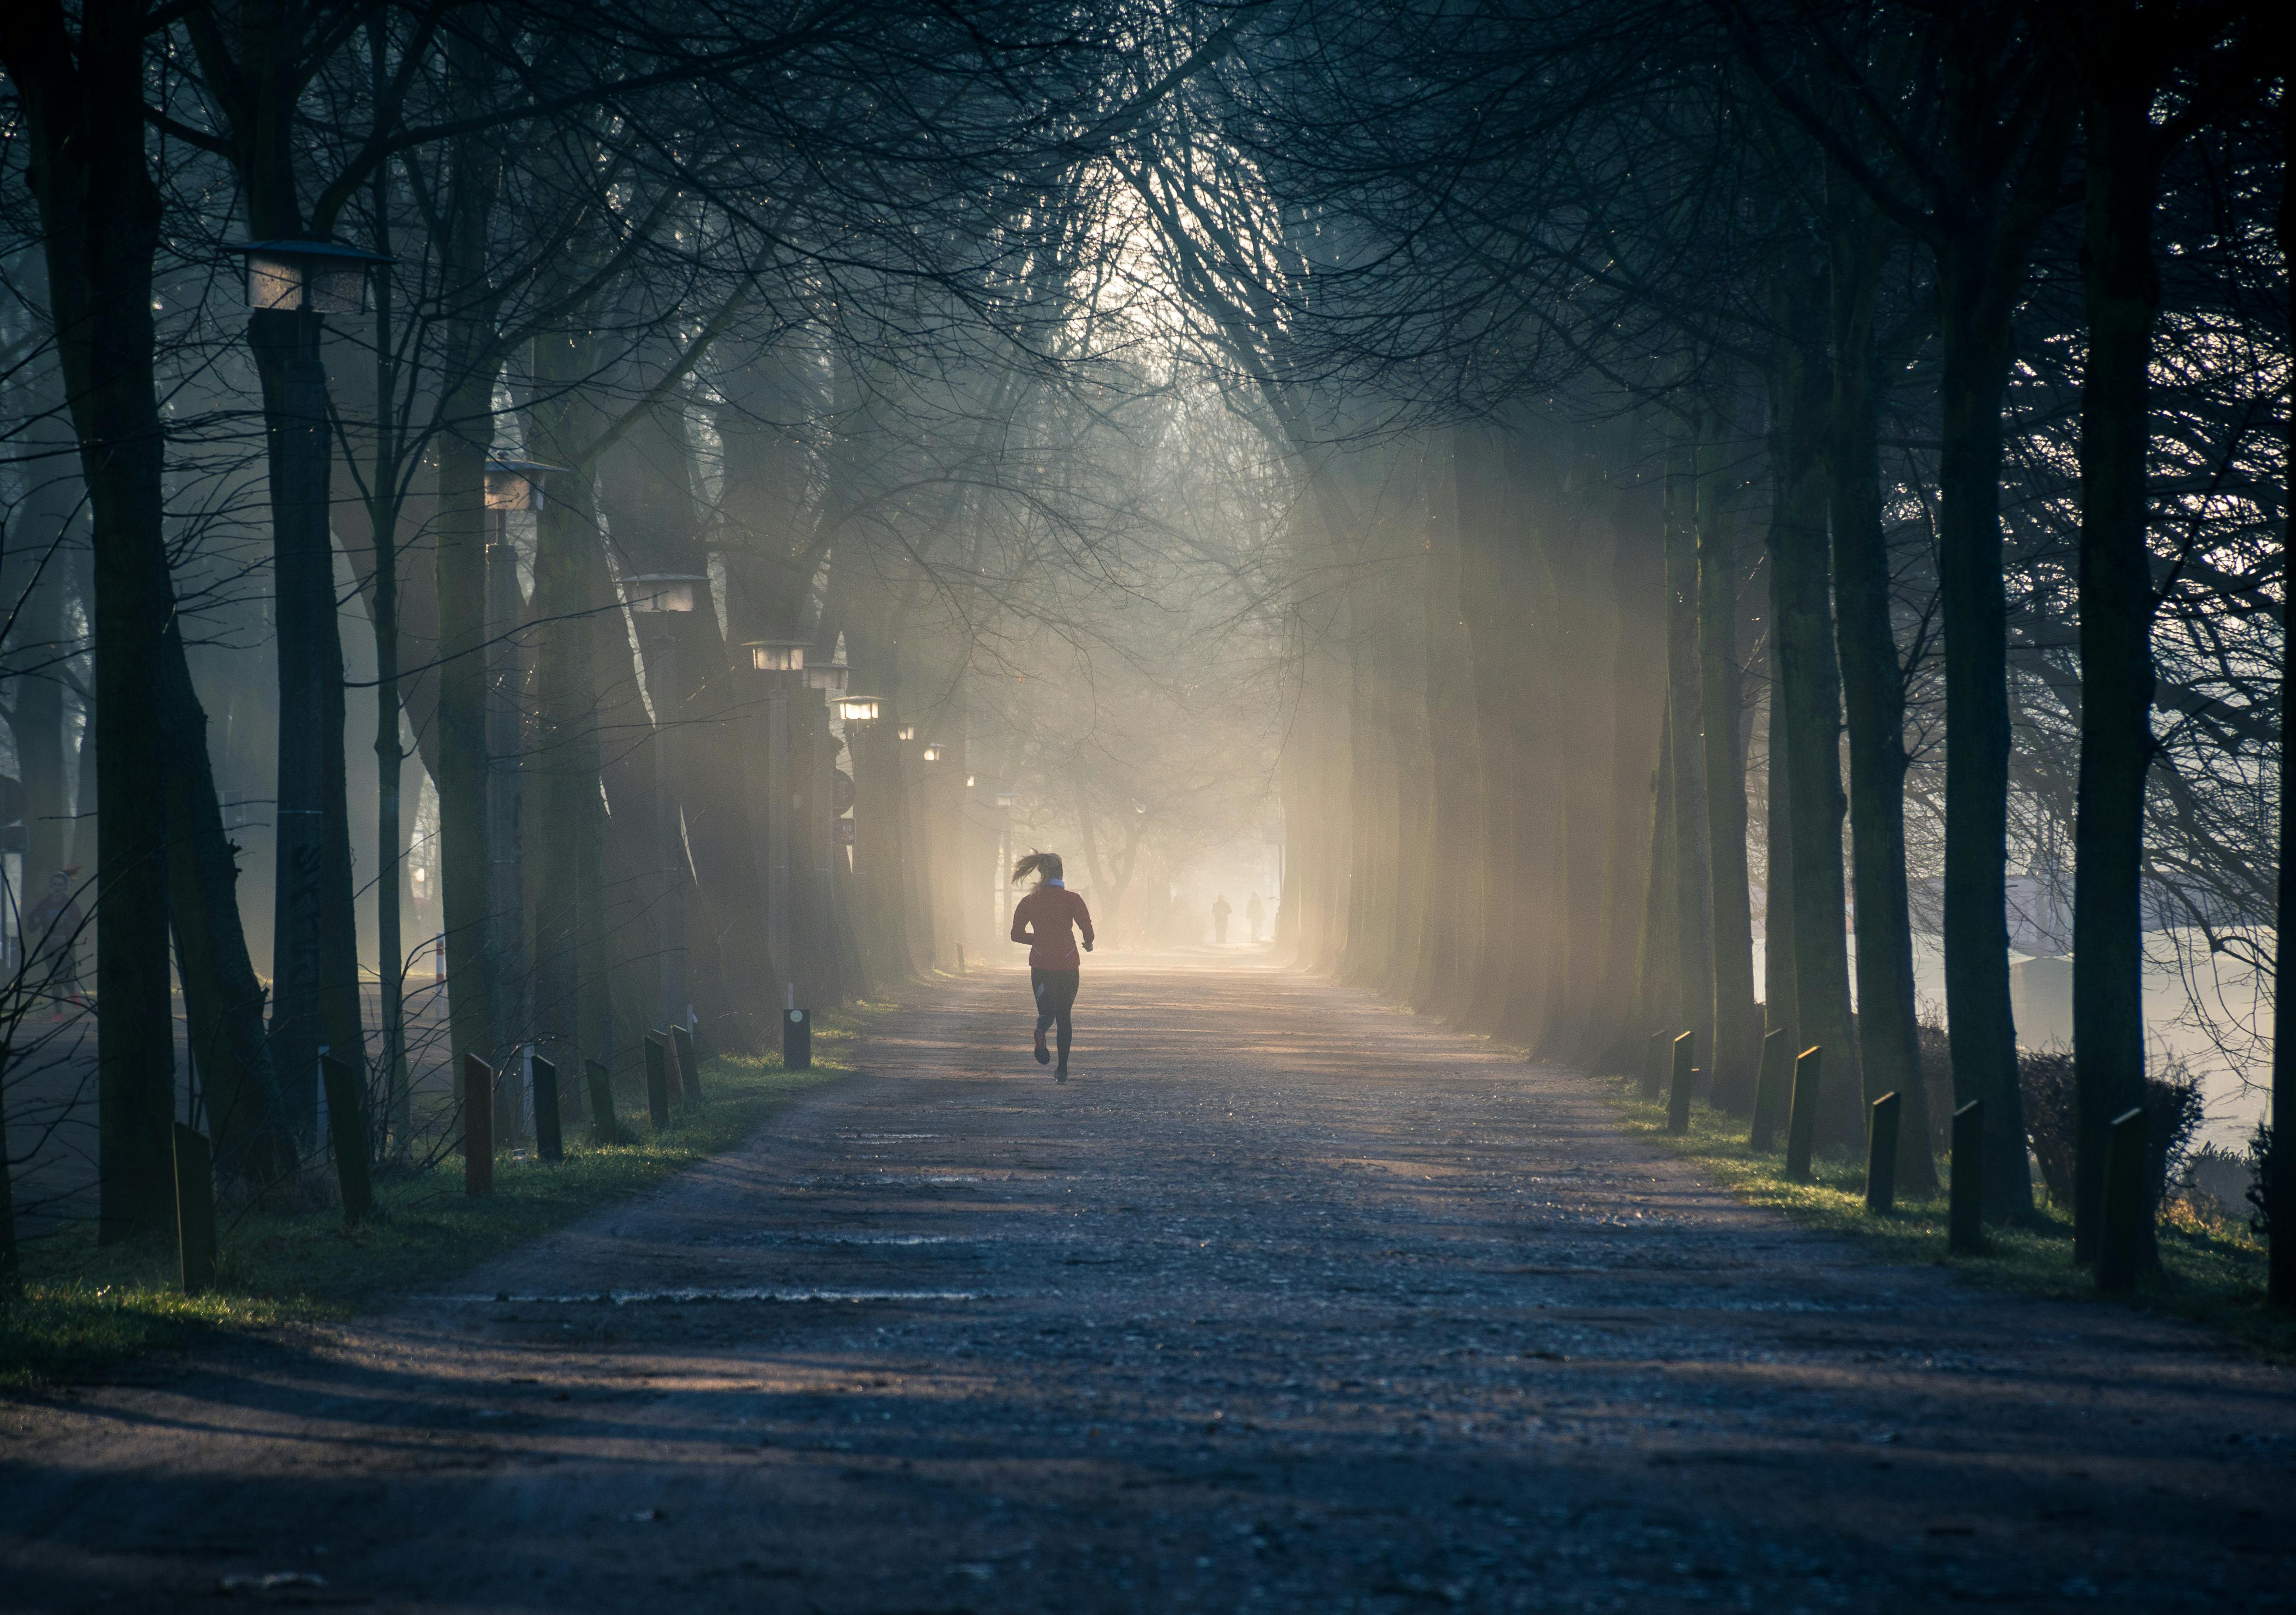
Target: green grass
[2212,1267]
[87,1309]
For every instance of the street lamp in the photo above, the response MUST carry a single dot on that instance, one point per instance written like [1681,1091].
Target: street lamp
[858,708]
[292,286]
[515,485]
[664,592]
[307,277]
[830,677]
[658,597]
[511,486]
[908,731]
[782,662]
[932,751]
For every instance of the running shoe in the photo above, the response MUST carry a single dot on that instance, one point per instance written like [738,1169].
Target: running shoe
[1061,1075]
[1044,1054]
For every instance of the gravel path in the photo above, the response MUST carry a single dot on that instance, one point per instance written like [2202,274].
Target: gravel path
[1288,1302]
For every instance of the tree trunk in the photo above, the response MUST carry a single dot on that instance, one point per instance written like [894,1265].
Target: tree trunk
[1808,683]
[461,529]
[248,1122]
[2280,1161]
[82,111]
[1737,1030]
[313,947]
[1874,699]
[1452,955]
[2116,745]
[1693,1008]
[1973,328]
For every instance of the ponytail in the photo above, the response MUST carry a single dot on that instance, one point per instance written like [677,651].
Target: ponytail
[1045,866]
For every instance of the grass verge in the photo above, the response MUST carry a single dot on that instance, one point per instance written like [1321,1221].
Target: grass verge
[86,1309]
[2212,1267]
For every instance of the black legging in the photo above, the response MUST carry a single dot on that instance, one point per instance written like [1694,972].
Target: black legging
[1056,991]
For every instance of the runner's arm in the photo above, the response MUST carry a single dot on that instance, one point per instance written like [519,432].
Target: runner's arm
[1020,931]
[1084,923]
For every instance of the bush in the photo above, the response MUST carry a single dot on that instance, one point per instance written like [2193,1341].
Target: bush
[2172,1114]
[1936,1081]
[2045,1077]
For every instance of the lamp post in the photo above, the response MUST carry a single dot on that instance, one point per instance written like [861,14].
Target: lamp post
[828,681]
[657,599]
[780,662]
[1006,801]
[292,286]
[510,485]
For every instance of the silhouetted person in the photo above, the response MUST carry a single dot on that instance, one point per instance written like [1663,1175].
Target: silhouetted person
[1220,911]
[1255,914]
[1043,919]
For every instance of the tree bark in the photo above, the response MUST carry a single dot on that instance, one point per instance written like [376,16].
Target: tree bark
[1693,1006]
[1873,696]
[1737,1028]
[82,102]
[2117,744]
[1808,683]
[461,530]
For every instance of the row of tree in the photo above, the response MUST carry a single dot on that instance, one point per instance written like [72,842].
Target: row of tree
[811,315]
[1977,317]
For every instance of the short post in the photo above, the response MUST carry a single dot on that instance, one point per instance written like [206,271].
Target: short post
[549,1135]
[657,1069]
[689,1064]
[195,1230]
[1801,1118]
[478,1126]
[347,1121]
[604,1129]
[1678,1099]
[1881,1156]
[1655,1066]
[797,1040]
[2120,1253]
[1965,1207]
[1769,1082]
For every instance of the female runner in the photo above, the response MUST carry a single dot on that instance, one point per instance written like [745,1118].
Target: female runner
[1042,919]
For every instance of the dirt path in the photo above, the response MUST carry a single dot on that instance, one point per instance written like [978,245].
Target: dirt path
[1289,1302]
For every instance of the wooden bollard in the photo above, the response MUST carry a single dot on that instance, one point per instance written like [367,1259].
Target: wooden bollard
[1655,1066]
[657,1071]
[1801,1118]
[549,1133]
[1965,1204]
[1677,1098]
[689,1064]
[604,1129]
[1881,1156]
[195,1229]
[478,1126]
[2125,1210]
[347,1121]
[1767,1083]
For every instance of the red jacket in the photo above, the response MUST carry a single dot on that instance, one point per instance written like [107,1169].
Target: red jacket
[1043,919]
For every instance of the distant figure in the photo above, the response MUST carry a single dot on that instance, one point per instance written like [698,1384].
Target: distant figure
[1255,914]
[1220,911]
[52,933]
[1043,919]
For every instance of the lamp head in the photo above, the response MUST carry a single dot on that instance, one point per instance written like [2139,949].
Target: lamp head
[516,485]
[654,591]
[307,277]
